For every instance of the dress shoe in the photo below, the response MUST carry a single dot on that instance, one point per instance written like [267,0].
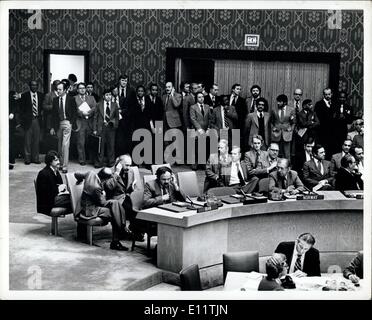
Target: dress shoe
[139,237]
[64,170]
[11,166]
[116,245]
[82,163]
[27,162]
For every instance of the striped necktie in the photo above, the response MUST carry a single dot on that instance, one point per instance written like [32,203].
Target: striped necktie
[34,105]
[225,122]
[107,115]
[297,265]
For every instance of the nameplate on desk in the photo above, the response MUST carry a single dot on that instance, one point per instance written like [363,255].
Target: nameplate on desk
[207,208]
[310,197]
[252,200]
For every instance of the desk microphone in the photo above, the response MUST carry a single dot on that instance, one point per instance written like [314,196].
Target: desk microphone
[191,202]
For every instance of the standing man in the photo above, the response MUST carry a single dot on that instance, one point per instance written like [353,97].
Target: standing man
[324,111]
[63,121]
[296,103]
[90,91]
[258,123]
[307,123]
[185,88]
[187,102]
[342,117]
[251,101]
[72,89]
[283,120]
[172,102]
[105,122]
[86,106]
[238,102]
[212,97]
[48,103]
[31,121]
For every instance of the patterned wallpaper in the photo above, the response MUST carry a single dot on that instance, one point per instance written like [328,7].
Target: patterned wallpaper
[135,41]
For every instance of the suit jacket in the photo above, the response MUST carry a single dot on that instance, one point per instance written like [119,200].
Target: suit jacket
[312,175]
[345,180]
[199,121]
[91,103]
[141,118]
[336,163]
[99,115]
[257,167]
[292,104]
[310,121]
[187,102]
[25,114]
[216,118]
[95,96]
[152,195]
[292,180]
[47,189]
[249,103]
[171,110]
[125,101]
[48,100]
[116,186]
[269,285]
[282,129]
[157,108]
[208,100]
[355,267]
[70,111]
[298,163]
[311,265]
[325,116]
[241,110]
[226,173]
[217,166]
[252,127]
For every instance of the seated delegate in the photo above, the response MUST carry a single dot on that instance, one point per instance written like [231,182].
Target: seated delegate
[276,268]
[354,271]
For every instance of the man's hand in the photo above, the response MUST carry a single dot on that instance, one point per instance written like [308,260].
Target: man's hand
[299,274]
[134,184]
[118,168]
[165,197]
[52,132]
[61,188]
[200,131]
[174,180]
[172,92]
[354,278]
[11,116]
[95,132]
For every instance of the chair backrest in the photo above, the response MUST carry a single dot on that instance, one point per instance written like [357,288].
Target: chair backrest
[263,185]
[188,183]
[242,261]
[148,177]
[76,191]
[335,261]
[155,167]
[137,177]
[136,198]
[221,191]
[35,185]
[190,278]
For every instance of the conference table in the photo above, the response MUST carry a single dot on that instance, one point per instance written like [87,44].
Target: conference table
[188,237]
[249,281]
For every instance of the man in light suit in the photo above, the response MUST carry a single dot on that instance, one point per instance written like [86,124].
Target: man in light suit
[200,117]
[251,101]
[283,120]
[336,158]
[296,103]
[172,102]
[258,123]
[216,165]
[84,120]
[302,258]
[105,122]
[317,171]
[187,102]
[63,121]
[31,113]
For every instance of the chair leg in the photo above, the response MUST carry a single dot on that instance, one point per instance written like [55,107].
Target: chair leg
[54,226]
[90,235]
[81,232]
[133,243]
[148,244]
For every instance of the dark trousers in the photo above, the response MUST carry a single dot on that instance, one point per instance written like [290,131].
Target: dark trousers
[249,187]
[82,135]
[63,201]
[12,145]
[32,140]
[107,142]
[285,149]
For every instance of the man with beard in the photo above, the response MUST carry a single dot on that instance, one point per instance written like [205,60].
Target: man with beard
[252,100]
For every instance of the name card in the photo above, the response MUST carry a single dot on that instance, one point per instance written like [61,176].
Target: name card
[252,40]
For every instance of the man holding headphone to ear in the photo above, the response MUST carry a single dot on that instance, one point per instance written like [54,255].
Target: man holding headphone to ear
[164,189]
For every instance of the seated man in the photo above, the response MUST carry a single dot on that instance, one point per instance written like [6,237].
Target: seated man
[336,158]
[303,155]
[359,157]
[51,192]
[164,189]
[285,180]
[302,257]
[236,174]
[95,204]
[214,164]
[276,268]
[347,178]
[317,172]
[354,271]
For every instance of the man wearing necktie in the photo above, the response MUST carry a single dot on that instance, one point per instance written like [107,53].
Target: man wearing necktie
[251,102]
[84,121]
[63,122]
[31,121]
[211,98]
[302,257]
[283,121]
[241,109]
[105,122]
[348,177]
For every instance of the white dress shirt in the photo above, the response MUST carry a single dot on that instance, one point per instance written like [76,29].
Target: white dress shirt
[234,179]
[294,258]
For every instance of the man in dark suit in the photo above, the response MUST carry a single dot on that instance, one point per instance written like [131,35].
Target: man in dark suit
[283,120]
[13,124]
[187,102]
[336,158]
[347,178]
[303,155]
[354,271]
[47,109]
[285,180]
[90,91]
[31,120]
[324,111]
[164,189]
[258,123]
[215,166]
[86,105]
[125,92]
[317,171]
[251,101]
[63,120]
[51,192]
[105,122]
[342,117]
[302,257]
[307,123]
[239,103]
[212,97]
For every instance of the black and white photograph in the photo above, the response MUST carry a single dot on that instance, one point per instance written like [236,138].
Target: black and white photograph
[185,150]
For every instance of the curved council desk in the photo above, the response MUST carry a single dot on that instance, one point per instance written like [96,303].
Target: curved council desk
[189,237]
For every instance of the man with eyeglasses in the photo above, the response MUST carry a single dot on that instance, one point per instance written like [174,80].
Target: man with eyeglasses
[302,257]
[296,103]
[336,158]
[347,178]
